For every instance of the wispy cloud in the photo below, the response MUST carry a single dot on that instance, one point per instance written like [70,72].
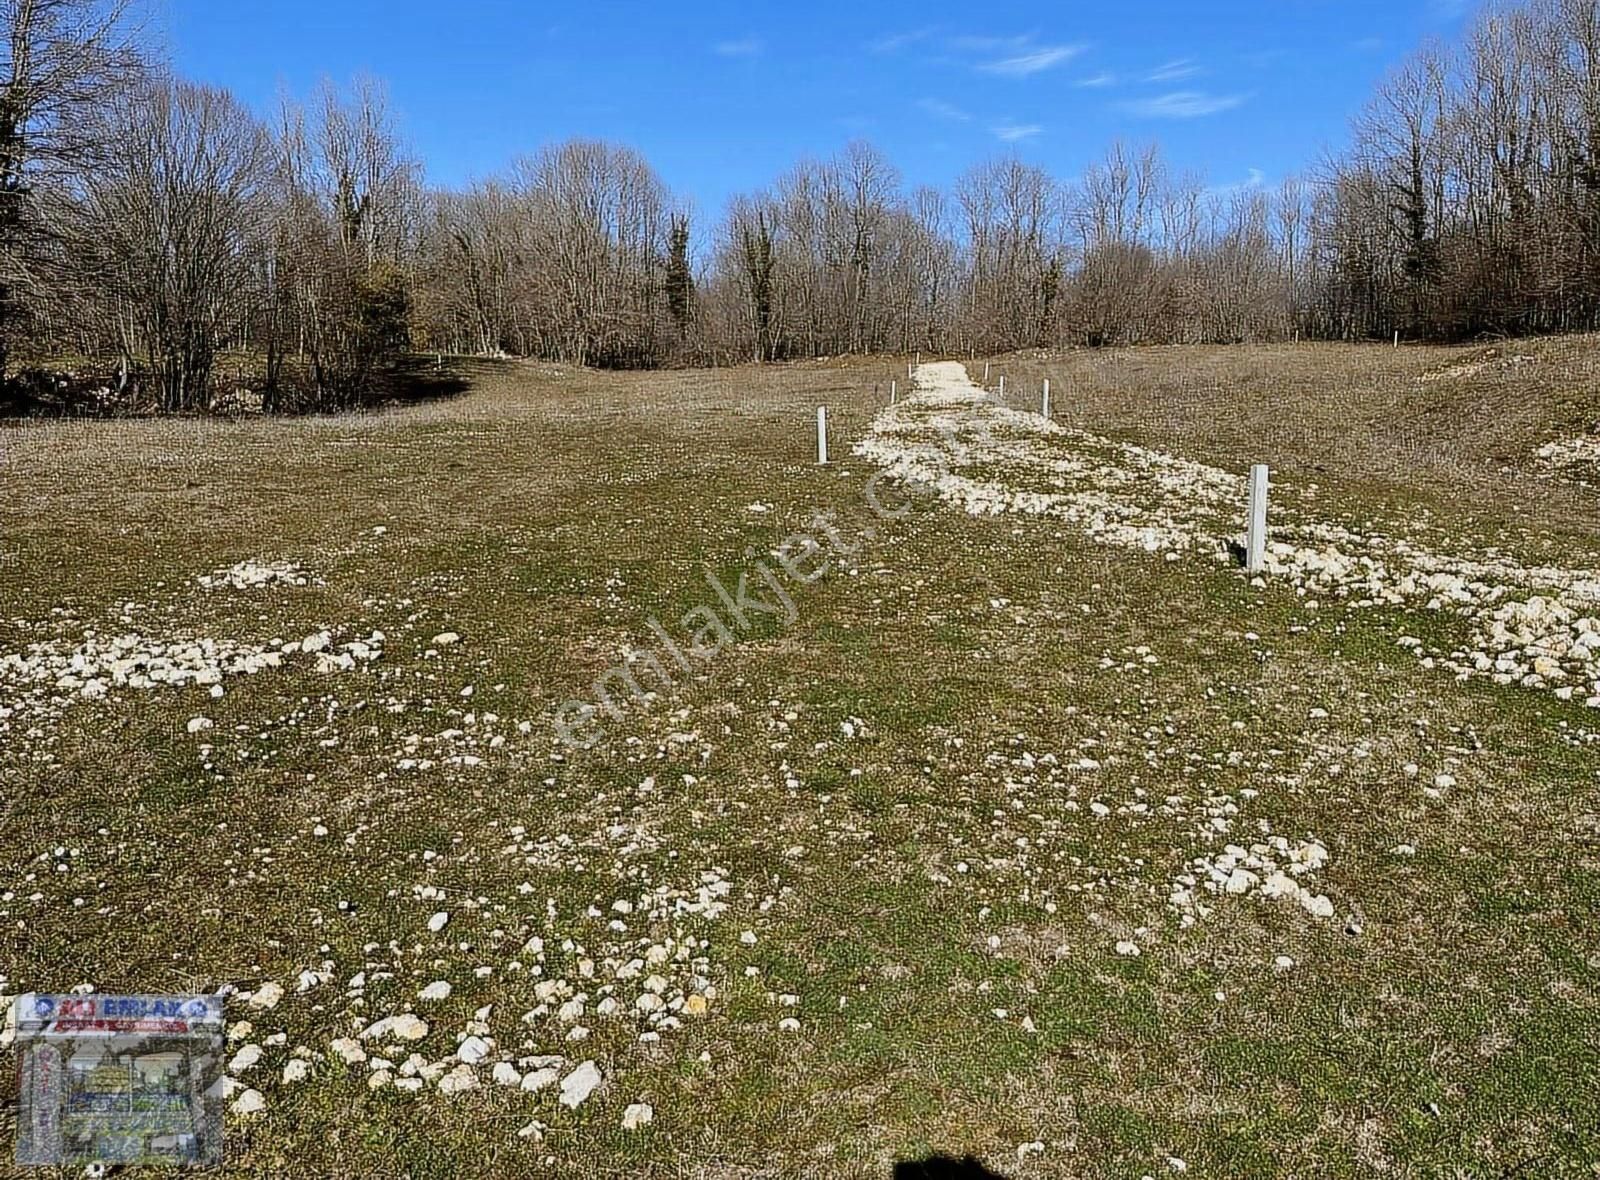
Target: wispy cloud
[1023,65]
[1096,81]
[1370,44]
[895,42]
[743,47]
[1173,71]
[944,110]
[1184,104]
[1011,56]
[975,44]
[1254,179]
[1015,132]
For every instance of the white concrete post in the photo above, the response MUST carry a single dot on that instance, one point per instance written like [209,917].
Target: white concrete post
[986,372]
[822,436]
[1397,339]
[893,390]
[1002,387]
[1046,409]
[1255,546]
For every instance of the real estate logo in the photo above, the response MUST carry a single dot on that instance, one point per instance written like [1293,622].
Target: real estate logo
[119,1079]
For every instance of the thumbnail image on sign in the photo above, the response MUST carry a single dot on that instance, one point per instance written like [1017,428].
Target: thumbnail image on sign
[119,1079]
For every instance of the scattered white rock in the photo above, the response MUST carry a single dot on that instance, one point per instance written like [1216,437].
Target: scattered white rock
[540,1079]
[404,1027]
[266,996]
[458,1081]
[251,575]
[505,1074]
[579,1084]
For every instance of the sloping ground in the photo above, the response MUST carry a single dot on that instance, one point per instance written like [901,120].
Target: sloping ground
[1441,438]
[1038,833]
[1537,626]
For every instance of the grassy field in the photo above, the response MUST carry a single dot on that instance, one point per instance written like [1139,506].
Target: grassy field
[897,872]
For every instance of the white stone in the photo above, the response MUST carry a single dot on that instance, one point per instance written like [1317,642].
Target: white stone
[405,1027]
[540,1079]
[505,1074]
[266,996]
[579,1084]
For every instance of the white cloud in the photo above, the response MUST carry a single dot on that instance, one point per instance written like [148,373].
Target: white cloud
[944,110]
[992,44]
[1173,71]
[743,47]
[895,42]
[1253,181]
[1014,132]
[1097,81]
[1184,104]
[1022,65]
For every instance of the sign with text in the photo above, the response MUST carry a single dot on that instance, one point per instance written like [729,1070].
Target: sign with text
[119,1079]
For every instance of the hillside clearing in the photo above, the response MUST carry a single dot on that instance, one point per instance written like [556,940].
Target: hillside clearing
[1068,855]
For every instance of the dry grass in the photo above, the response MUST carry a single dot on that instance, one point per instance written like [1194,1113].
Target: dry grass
[547,515]
[1452,430]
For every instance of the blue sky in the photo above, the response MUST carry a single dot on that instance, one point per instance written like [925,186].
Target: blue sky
[721,96]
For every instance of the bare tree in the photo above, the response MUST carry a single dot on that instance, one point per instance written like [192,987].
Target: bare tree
[60,61]
[176,211]
[1013,215]
[353,210]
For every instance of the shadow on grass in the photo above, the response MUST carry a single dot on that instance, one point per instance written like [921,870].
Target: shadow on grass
[89,392]
[419,379]
[944,1167]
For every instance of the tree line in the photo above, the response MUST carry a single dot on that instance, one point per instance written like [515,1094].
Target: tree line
[152,225]
[192,252]
[1469,201]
